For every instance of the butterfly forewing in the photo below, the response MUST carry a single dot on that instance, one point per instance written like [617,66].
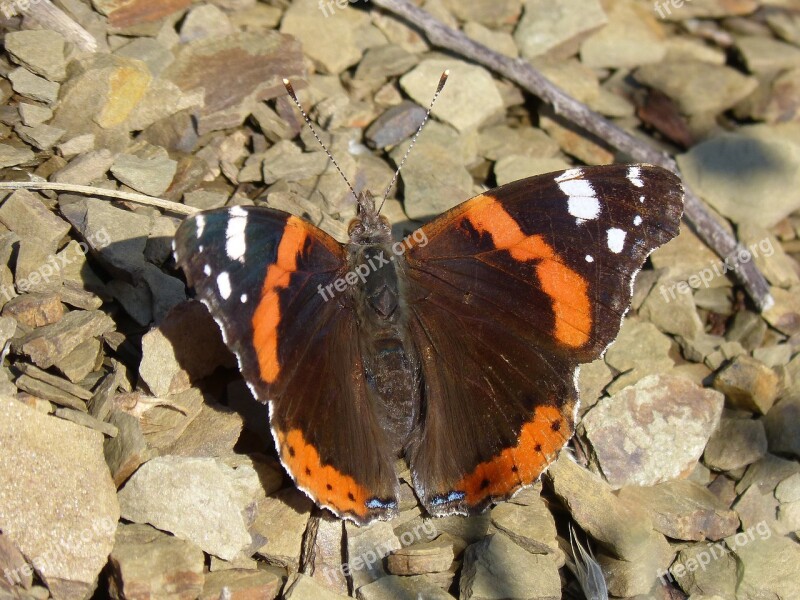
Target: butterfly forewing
[259,271]
[513,290]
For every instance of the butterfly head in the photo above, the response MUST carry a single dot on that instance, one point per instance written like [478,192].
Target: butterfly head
[369,227]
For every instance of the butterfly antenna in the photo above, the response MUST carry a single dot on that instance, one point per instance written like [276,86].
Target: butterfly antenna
[442,81]
[288,85]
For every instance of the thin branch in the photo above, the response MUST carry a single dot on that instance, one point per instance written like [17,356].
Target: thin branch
[524,75]
[174,207]
[51,17]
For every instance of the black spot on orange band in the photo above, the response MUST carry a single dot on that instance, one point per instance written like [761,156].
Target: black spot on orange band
[537,446]
[325,483]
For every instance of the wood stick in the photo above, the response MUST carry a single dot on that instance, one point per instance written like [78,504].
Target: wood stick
[51,17]
[524,75]
[88,190]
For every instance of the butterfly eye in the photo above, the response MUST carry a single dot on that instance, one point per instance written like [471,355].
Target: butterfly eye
[385,222]
[354,224]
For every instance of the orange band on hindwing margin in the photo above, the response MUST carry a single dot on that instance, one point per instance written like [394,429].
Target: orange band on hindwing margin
[267,315]
[567,289]
[539,441]
[326,484]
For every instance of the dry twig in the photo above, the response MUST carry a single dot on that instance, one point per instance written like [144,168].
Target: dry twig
[174,207]
[51,17]
[524,75]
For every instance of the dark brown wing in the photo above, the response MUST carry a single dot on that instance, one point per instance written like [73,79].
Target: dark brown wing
[512,291]
[260,272]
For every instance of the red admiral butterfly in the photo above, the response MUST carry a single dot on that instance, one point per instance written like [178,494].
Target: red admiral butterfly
[456,348]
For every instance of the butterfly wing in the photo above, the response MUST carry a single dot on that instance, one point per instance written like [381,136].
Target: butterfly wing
[512,291]
[260,272]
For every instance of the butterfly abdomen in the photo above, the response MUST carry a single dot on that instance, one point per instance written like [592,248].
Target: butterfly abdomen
[391,367]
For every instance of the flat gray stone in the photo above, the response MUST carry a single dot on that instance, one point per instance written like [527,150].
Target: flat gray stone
[706,570]
[183,495]
[783,427]
[185,347]
[748,384]
[301,587]
[42,136]
[284,545]
[51,343]
[767,55]
[146,562]
[697,87]
[40,51]
[746,179]
[366,548]
[26,215]
[557,28]
[86,168]
[769,565]
[623,527]
[395,587]
[653,431]
[496,568]
[58,504]
[148,176]
[34,87]
[118,236]
[34,114]
[469,98]
[434,177]
[244,583]
[11,156]
[330,37]
[632,37]
[735,444]
[684,510]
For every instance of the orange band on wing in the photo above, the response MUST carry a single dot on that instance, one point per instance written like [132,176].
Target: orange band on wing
[267,315]
[539,441]
[567,290]
[327,485]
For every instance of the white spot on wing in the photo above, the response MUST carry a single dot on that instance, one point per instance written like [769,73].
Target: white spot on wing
[238,211]
[589,258]
[224,285]
[616,239]
[582,201]
[583,207]
[641,199]
[235,244]
[207,270]
[637,220]
[634,175]
[200,221]
[243,298]
[569,174]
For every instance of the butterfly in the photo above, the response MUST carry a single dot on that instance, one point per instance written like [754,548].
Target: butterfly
[456,348]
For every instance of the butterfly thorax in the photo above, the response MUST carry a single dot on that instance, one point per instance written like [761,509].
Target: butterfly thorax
[390,364]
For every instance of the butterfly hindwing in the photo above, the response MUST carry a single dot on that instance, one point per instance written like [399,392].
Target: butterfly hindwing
[259,271]
[512,291]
